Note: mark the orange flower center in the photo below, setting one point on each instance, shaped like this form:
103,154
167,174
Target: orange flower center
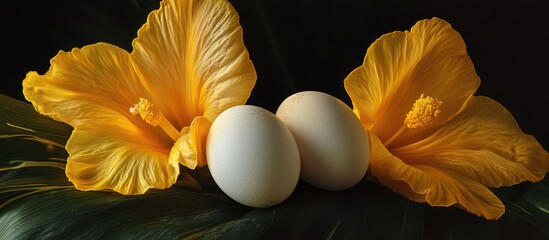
423,112
152,115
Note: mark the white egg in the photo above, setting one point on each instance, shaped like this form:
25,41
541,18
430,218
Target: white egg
334,147
253,156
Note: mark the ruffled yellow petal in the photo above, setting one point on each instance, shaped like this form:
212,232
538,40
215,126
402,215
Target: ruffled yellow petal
399,67
191,57
108,157
189,150
438,187
483,143
94,84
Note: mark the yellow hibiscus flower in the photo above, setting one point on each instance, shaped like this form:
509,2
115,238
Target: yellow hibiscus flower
432,140
138,115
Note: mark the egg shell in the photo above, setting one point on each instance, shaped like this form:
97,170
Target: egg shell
334,147
253,156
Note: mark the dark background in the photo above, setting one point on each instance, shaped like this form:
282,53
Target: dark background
306,45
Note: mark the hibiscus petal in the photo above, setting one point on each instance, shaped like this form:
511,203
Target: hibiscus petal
103,157
94,84
483,143
437,187
189,149
430,59
205,65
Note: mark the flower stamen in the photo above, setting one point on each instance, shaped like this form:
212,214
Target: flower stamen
152,115
424,111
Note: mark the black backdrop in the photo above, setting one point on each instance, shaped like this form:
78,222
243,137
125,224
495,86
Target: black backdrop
306,44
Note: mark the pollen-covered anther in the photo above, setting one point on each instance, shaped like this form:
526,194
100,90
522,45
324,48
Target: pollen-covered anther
424,111
152,115
147,111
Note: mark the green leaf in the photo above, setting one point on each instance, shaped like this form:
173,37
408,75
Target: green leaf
20,119
37,201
